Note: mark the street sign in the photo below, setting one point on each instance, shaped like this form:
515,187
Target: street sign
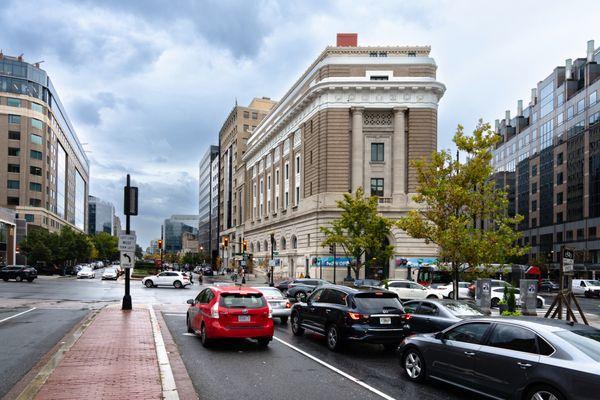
127,242
568,260
127,259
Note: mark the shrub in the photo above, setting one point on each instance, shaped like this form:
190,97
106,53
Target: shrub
511,302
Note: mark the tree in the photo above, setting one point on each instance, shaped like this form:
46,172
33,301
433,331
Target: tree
37,246
139,253
106,245
359,230
457,199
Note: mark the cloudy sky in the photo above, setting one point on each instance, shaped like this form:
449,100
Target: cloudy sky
148,83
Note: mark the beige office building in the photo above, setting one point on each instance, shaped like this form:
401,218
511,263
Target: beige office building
355,118
233,136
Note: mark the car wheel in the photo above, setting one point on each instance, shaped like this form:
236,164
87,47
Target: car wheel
149,283
189,327
539,303
494,302
283,320
391,346
587,294
432,296
5,279
296,328
334,338
300,297
18,278
544,392
413,365
203,337
177,285
451,295
264,342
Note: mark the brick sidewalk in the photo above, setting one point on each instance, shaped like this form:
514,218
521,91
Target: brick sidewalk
115,358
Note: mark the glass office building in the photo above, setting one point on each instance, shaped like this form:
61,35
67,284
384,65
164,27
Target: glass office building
175,227
208,200
100,216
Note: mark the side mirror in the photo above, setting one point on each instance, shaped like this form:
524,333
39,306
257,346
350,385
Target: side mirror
191,301
440,336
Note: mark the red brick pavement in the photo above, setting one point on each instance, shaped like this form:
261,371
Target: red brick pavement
115,358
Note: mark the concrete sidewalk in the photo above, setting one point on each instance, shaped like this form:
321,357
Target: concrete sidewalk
115,358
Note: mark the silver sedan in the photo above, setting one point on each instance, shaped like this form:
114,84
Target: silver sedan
280,306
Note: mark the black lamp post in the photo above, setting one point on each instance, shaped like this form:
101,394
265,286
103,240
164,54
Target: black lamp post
272,267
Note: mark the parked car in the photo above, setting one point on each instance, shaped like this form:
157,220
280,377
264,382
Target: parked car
518,358
436,315
18,273
86,272
280,306
230,312
447,291
494,283
586,287
168,278
299,289
374,283
207,270
409,290
497,294
546,285
110,273
283,285
345,314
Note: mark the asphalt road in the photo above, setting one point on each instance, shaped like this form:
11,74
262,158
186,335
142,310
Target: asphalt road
25,338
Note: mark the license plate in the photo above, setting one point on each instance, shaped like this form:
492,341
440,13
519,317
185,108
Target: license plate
243,318
385,321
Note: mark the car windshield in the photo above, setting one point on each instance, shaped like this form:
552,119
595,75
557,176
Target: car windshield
463,309
242,300
272,293
588,341
86,269
593,283
377,302
110,270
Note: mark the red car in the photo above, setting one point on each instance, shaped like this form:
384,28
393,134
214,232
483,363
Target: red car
230,312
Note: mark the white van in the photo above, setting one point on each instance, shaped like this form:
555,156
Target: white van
586,287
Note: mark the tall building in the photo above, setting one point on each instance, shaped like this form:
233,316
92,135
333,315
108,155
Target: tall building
8,237
355,118
175,227
234,134
215,214
101,216
45,171
116,226
208,200
549,159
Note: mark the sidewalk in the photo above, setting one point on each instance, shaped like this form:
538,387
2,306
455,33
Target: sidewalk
115,358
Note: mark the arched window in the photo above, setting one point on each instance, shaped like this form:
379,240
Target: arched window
258,244
294,242
282,243
251,247
266,245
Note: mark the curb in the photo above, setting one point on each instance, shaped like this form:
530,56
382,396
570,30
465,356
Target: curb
167,381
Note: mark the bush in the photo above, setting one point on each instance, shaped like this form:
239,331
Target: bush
507,313
511,302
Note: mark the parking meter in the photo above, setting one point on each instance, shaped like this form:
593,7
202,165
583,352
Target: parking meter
483,294
528,296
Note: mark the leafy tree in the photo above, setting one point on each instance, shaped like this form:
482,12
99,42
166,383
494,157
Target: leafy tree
139,253
37,246
359,230
456,198
106,245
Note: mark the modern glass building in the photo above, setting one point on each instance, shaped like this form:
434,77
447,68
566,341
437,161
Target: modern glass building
175,227
549,159
44,169
101,216
208,199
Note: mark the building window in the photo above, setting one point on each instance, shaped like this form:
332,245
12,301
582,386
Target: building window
14,168
36,154
373,54
559,159
12,201
533,170
379,77
37,107
580,234
12,184
35,202
592,232
377,152
254,115
14,119
36,187
559,178
534,205
580,106
559,198
570,112
287,171
36,123
13,102
287,199
14,135
246,114
283,243
534,240
534,188
37,139
294,242
559,237
297,164
534,222
569,235
35,171
297,195
559,218
29,217
308,240
592,98
377,187
14,151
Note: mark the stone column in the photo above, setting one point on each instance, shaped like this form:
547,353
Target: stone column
399,152
357,148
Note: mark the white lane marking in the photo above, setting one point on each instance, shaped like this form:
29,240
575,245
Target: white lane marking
169,388
176,314
336,370
188,334
16,315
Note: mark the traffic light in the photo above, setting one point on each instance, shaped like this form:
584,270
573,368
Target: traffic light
160,244
332,248
225,241
244,246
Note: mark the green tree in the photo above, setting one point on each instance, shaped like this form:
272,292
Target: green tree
37,246
139,253
359,230
106,245
456,197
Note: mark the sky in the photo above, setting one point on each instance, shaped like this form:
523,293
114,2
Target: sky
148,83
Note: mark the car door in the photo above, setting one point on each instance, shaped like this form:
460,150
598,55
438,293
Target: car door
452,357
506,359
332,303
402,289
414,323
204,307
194,311
429,318
310,316
417,291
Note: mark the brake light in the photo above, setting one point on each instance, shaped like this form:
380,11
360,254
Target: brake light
357,316
270,311
288,305
406,317
214,310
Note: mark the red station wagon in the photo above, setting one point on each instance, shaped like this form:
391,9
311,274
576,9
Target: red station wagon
230,312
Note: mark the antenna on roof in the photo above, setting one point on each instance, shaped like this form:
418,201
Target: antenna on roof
20,58
37,64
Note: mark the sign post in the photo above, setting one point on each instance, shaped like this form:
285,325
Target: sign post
528,296
483,295
127,241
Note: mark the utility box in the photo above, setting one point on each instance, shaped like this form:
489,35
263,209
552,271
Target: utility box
483,294
528,296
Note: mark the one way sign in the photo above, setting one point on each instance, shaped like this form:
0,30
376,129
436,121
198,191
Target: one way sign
127,259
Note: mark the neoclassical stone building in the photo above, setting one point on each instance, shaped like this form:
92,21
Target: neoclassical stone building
355,118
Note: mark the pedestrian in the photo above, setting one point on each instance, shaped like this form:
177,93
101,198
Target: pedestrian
243,277
268,277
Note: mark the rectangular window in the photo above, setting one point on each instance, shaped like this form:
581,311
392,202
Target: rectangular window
277,177
29,217
580,234
570,112
559,237
37,155
559,218
580,106
592,232
14,151
297,195
559,198
12,201
287,199
246,114
246,127
534,222
533,170
36,123
559,159
534,188
560,118
14,119
379,77
377,152
569,235
36,187
287,171
560,99
35,171
377,187
35,202
37,139
534,240
534,205
297,164
559,178
12,184
14,168
37,107
592,98
13,102
254,115
14,135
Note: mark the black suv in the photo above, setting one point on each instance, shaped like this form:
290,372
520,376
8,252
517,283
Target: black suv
300,288
18,273
346,314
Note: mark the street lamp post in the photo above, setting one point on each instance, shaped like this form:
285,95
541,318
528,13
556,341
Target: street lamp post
271,268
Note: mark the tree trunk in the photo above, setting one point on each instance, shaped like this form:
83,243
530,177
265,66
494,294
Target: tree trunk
455,280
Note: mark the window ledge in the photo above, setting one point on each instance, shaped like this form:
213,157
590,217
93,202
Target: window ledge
377,162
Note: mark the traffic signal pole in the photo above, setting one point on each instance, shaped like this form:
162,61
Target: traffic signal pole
127,298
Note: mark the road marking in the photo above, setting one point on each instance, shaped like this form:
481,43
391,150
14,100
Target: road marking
188,334
16,315
336,370
169,388
176,314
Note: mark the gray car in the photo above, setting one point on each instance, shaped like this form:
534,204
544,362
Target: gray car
280,306
435,315
518,358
